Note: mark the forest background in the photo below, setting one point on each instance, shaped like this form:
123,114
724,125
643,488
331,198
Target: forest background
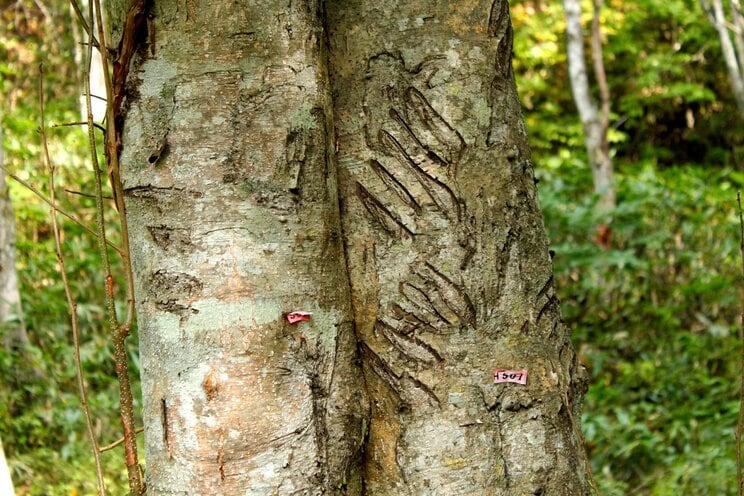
649,288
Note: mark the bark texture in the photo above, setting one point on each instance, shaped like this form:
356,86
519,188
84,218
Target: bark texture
447,253
229,167
230,186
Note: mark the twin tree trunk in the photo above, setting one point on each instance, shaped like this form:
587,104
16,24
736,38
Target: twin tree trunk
249,124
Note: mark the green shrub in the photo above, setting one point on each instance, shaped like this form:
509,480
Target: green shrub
655,320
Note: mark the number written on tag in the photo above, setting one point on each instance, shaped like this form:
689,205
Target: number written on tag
515,376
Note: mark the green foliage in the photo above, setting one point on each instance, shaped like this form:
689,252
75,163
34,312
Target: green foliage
670,96
654,313
41,421
654,318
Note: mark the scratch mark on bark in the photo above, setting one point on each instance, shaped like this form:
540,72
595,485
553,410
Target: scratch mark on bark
454,296
381,368
439,193
412,321
166,421
423,387
423,301
392,182
552,303
499,26
221,462
411,347
546,287
503,259
386,219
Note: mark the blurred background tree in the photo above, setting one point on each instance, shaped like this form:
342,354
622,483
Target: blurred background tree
728,27
653,300
594,116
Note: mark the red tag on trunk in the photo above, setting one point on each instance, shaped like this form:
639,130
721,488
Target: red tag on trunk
294,317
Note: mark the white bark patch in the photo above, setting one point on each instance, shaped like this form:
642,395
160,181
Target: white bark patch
169,332
159,73
214,314
188,391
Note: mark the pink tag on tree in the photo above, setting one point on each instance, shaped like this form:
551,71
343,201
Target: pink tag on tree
294,317
515,376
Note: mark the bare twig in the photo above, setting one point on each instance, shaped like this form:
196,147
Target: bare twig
118,441
70,300
83,22
740,423
81,123
86,195
57,208
119,331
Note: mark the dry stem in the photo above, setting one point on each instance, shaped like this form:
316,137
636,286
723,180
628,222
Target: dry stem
740,422
119,331
70,300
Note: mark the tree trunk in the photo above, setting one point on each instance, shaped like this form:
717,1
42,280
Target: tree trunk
451,276
231,194
594,121
733,52
6,483
12,326
229,168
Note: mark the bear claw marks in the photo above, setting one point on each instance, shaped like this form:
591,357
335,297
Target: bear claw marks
418,152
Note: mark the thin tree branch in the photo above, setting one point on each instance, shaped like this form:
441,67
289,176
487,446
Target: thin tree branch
740,422
84,22
119,331
119,441
80,123
57,208
68,293
86,195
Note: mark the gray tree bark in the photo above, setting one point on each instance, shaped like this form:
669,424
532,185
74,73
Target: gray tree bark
733,52
448,258
231,194
230,149
12,326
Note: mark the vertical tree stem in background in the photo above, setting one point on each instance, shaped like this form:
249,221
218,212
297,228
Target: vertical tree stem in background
740,424
68,293
599,73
